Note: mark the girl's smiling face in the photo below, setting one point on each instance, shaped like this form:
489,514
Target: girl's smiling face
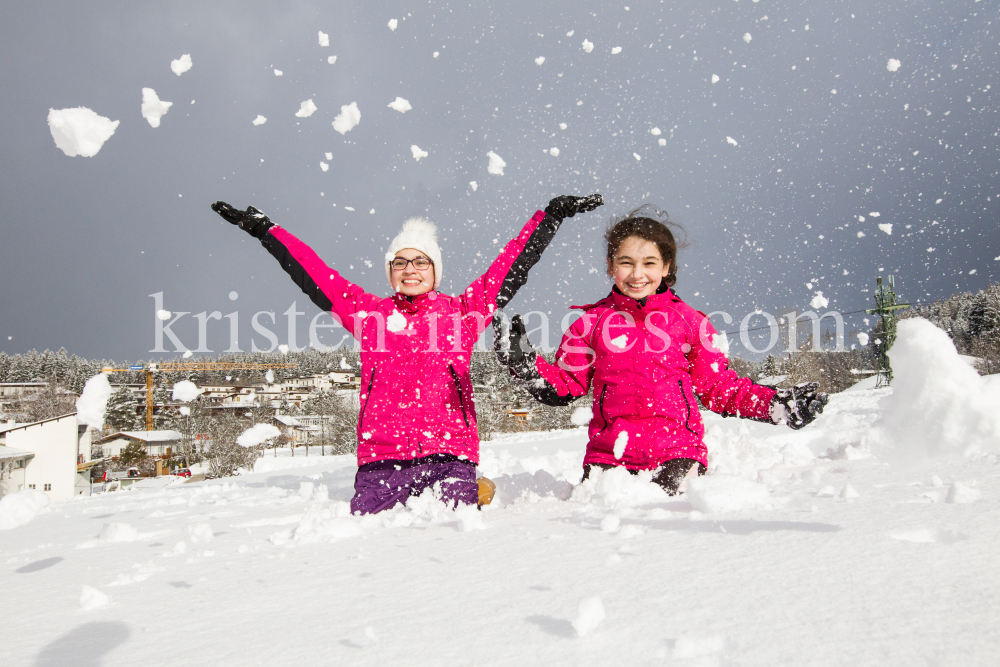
638,268
412,281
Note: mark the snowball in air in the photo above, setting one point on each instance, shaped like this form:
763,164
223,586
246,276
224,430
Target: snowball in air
637,156
892,65
588,46
886,227
621,442
539,60
347,119
747,38
259,120
278,72
93,402
164,315
324,39
819,301
473,185
306,109
863,338
656,132
496,164
581,416
185,391
323,165
395,322
615,51
153,108
715,78
417,153
554,152
80,131
400,105
257,434
181,65
331,59
732,141
392,24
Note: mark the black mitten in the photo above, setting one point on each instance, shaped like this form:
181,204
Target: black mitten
566,206
252,221
799,405
513,349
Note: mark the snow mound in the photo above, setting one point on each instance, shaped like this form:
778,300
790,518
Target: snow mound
91,598
347,119
117,532
525,487
200,533
697,646
720,494
93,402
186,391
589,615
496,164
306,109
181,65
153,108
618,490
17,509
257,434
939,405
400,105
80,131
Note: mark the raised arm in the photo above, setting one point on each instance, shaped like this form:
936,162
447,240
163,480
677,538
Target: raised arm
324,286
509,271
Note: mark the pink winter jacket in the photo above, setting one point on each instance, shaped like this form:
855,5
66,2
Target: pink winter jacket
416,392
646,360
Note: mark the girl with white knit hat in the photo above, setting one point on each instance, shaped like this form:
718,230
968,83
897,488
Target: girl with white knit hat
417,424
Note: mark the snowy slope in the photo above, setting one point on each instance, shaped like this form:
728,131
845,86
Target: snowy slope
267,568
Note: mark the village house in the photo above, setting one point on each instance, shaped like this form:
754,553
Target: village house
157,443
61,449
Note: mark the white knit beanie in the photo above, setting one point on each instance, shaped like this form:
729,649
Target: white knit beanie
419,234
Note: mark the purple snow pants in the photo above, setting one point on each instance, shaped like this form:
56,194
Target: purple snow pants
382,484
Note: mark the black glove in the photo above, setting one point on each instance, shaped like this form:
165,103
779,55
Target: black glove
799,405
566,206
252,221
513,349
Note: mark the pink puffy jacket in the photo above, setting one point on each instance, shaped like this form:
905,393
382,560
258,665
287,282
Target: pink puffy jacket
646,360
416,393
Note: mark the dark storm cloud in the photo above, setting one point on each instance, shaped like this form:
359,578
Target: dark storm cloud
86,240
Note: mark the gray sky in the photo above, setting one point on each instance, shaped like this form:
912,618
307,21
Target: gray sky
86,240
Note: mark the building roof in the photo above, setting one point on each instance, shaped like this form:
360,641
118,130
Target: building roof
146,436
7,428
7,453
287,420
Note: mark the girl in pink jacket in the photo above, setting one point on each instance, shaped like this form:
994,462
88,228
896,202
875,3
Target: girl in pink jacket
417,425
647,355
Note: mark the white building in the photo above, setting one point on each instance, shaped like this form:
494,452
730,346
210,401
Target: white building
12,465
61,463
157,443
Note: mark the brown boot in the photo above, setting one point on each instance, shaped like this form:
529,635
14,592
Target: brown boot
486,490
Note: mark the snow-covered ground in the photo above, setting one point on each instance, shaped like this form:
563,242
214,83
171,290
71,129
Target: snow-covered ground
268,568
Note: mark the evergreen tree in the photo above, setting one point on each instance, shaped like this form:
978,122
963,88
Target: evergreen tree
120,415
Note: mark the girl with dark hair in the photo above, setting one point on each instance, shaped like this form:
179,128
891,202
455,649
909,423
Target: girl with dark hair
647,355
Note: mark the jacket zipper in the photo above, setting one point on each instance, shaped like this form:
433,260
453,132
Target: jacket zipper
361,418
461,400
600,407
687,421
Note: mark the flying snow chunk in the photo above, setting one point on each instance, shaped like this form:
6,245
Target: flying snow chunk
863,339
400,105
874,214
153,108
637,156
747,37
589,615
163,315
306,109
181,65
656,132
570,33
715,78
323,165
331,59
621,442
395,322
93,402
417,153
269,375
732,141
588,46
80,131
496,164
563,126
278,72
861,235
582,416
473,185
329,156
188,354
324,39
539,60
661,141
185,391
833,91
886,227
616,50
347,119
892,65
392,24
257,434
259,120
819,301
554,152
283,348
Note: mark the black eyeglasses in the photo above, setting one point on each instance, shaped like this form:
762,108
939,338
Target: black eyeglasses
419,263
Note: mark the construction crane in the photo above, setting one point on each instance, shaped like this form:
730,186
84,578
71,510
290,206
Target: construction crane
186,366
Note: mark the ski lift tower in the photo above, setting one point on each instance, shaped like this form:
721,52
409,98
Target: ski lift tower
886,307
